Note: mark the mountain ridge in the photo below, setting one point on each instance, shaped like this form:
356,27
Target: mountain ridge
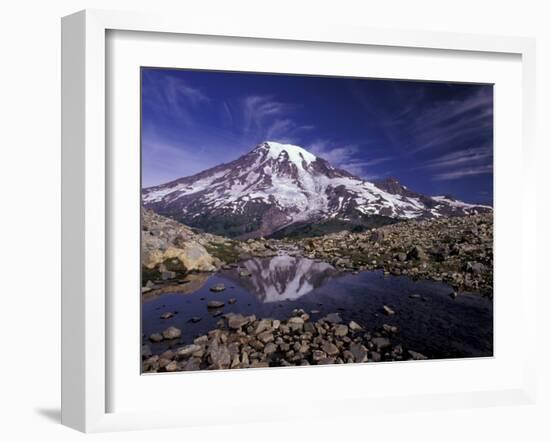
277,185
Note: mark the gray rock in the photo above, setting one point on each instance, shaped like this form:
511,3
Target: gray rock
341,330
381,343
388,311
156,337
390,328
417,253
375,356
167,275
146,351
217,288
359,352
215,304
263,325
377,236
417,356
219,355
266,337
333,318
232,300
354,326
330,349
167,315
401,257
475,267
326,361
259,364
235,322
171,366
245,274
171,333
270,348
318,355
187,350
192,364
201,340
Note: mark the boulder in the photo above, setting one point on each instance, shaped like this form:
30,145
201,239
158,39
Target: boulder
341,330
188,350
270,348
219,355
330,349
235,322
333,318
381,343
217,288
156,337
263,325
377,236
359,352
171,366
171,333
417,356
215,304
417,253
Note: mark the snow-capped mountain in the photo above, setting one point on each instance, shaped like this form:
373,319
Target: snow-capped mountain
278,185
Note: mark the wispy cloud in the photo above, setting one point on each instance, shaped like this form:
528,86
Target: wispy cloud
173,98
267,118
453,123
464,172
176,90
258,111
460,158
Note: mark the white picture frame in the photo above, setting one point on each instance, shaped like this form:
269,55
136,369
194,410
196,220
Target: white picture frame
85,213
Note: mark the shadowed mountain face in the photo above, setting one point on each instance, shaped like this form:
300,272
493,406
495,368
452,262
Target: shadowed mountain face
282,278
276,186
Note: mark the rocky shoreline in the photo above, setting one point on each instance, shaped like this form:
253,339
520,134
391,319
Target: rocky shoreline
249,342
457,251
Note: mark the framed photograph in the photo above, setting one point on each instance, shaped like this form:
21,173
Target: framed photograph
274,209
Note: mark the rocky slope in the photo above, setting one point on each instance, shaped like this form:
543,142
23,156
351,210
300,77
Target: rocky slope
169,248
458,251
277,186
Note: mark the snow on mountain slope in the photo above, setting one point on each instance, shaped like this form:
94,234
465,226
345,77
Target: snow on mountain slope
276,185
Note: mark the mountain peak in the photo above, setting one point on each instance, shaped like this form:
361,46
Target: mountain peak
296,154
276,185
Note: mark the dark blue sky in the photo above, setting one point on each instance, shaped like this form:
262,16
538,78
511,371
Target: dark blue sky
436,138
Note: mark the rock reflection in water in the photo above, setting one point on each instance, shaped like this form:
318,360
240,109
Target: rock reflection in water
282,278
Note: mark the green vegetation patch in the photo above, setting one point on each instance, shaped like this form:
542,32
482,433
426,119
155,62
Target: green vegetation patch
227,252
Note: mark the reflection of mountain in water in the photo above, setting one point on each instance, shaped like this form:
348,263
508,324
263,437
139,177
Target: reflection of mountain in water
283,277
